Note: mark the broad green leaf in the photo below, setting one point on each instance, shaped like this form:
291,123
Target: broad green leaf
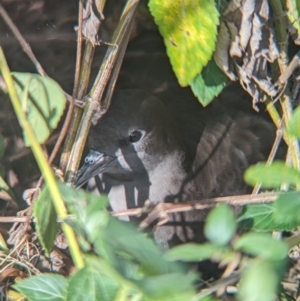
45,217
272,176
195,252
124,239
43,101
294,125
91,284
259,281
293,13
262,218
287,207
220,225
43,287
209,83
262,245
2,146
189,29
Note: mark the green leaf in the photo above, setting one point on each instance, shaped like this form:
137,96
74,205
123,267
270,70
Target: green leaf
287,208
2,146
44,287
293,13
168,286
195,252
132,245
91,284
262,218
43,101
89,209
45,217
272,176
263,245
209,83
294,125
259,281
189,29
220,225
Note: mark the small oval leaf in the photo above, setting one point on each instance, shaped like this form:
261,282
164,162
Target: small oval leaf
209,83
194,252
272,176
220,225
262,245
259,282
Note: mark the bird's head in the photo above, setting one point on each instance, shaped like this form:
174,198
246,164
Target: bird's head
132,138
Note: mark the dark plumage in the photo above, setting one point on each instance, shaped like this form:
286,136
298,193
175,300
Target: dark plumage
165,146
174,150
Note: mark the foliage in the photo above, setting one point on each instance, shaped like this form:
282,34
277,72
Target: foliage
128,262
189,30
114,260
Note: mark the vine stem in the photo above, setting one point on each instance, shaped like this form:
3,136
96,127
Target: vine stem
282,39
43,164
95,95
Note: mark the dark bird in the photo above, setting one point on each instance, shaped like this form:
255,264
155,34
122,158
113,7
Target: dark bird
172,149
166,148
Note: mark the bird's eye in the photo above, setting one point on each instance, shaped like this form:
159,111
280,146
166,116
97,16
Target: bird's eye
135,136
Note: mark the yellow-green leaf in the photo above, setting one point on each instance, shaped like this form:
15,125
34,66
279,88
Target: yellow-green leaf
189,29
43,102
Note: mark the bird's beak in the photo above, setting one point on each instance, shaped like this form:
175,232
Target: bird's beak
94,163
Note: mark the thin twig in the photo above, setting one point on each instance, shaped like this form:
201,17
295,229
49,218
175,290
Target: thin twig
278,138
24,44
237,200
98,88
27,49
76,80
240,200
285,101
233,278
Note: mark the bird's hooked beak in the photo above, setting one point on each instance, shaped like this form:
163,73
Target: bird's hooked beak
94,163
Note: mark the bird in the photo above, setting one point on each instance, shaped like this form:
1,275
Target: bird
167,148
156,142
